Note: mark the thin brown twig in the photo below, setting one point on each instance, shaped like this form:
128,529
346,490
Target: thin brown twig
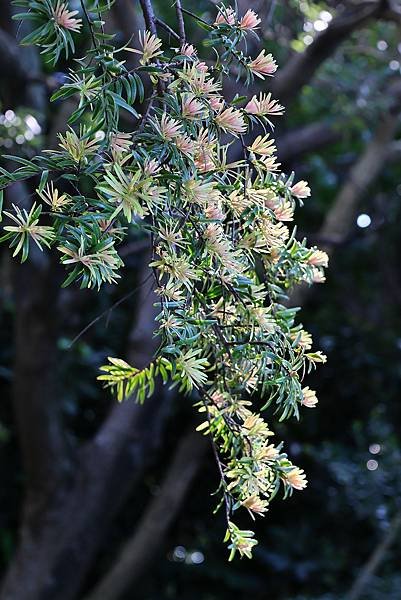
107,311
96,47
167,28
180,20
147,112
194,16
150,21
149,16
226,494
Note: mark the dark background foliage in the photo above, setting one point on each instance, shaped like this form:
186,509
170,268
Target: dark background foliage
99,501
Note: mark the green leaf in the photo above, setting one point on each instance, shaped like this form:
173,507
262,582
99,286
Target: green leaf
43,181
63,92
123,104
141,89
238,100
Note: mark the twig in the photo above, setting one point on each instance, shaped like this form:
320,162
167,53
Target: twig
90,24
147,113
107,311
149,16
167,28
226,495
104,71
180,19
140,551
150,21
194,16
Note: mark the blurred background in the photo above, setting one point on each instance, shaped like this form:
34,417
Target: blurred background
102,502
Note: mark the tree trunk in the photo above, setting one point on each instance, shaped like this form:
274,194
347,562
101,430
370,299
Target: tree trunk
59,542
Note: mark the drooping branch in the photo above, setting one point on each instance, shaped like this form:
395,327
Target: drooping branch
120,447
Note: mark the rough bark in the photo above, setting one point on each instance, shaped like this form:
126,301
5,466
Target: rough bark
57,549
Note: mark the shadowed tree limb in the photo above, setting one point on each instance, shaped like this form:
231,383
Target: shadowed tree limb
126,18
340,217
142,348
37,409
311,137
302,66
375,559
45,453
139,551
362,175
149,16
58,542
57,550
